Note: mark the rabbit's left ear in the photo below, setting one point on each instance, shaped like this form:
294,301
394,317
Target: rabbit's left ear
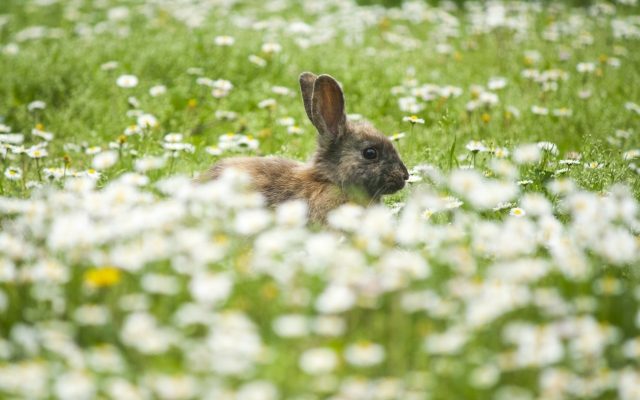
327,108
307,79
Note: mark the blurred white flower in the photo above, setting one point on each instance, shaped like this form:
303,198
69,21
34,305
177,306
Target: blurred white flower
346,217
127,81
292,213
75,385
496,83
271,47
104,160
91,314
141,331
149,163
448,342
146,121
13,173
36,105
211,289
250,222
157,90
258,390
318,361
527,154
259,61
364,354
335,299
224,40
291,325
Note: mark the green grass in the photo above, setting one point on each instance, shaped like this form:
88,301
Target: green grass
85,107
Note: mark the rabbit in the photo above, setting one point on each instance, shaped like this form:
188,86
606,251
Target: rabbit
353,162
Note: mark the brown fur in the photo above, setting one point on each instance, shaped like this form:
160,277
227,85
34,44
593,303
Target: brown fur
338,172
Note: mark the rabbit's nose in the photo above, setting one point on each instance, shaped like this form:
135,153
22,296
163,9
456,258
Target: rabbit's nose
405,173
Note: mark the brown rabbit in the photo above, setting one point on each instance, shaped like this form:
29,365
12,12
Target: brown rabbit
353,162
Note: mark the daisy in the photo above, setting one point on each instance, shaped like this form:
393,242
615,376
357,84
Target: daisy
195,71
224,40
157,90
364,354
497,83
475,146
397,136
132,130
413,119
267,103
13,173
222,84
127,81
53,173
548,146
36,105
213,150
173,137
539,110
318,361
226,115
631,154
92,173
271,47
37,152
281,90
584,94
109,65
593,165
410,104
41,133
501,152
503,205
632,107
149,163
11,138
219,93
147,121
517,212
259,61
586,68
562,112
287,121
105,160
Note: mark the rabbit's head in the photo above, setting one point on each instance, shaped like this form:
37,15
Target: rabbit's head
353,155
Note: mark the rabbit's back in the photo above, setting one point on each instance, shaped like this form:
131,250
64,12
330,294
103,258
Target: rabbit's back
279,180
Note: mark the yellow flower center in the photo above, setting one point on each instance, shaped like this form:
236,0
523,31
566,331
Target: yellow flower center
102,277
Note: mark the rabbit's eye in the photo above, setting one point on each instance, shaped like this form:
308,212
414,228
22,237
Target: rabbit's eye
370,153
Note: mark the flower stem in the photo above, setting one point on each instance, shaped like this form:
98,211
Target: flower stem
38,169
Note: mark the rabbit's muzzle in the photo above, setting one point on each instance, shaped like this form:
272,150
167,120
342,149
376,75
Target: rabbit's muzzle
395,180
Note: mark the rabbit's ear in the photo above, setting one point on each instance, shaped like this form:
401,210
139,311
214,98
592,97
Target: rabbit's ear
327,107
307,79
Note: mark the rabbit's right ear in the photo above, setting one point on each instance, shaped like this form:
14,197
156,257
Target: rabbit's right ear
327,108
307,79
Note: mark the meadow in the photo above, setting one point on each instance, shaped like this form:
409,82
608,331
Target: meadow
506,269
